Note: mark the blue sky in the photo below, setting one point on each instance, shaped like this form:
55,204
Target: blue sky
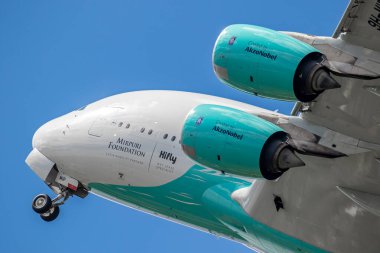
56,56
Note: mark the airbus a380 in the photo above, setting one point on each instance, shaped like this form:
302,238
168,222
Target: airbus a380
308,182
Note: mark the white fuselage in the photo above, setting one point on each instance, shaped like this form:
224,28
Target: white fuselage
137,126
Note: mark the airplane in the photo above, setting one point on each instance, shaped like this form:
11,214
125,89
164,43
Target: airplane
305,182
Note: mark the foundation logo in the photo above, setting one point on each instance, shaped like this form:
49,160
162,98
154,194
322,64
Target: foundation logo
126,146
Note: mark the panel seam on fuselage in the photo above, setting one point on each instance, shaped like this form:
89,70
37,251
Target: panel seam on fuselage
150,161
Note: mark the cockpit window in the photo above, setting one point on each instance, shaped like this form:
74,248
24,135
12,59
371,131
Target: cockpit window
82,108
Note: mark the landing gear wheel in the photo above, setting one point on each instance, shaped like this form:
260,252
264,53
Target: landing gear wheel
41,203
51,214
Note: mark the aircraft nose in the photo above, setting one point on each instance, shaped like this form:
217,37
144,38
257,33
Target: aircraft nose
45,135
39,137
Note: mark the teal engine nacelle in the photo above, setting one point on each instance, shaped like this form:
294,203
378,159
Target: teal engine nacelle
270,64
237,142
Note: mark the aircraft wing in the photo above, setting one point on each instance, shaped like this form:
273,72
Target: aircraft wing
352,110
334,203
360,24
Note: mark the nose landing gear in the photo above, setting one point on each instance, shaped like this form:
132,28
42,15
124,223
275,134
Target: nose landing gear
41,203
49,209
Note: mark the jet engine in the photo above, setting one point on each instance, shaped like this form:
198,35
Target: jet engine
237,142
270,64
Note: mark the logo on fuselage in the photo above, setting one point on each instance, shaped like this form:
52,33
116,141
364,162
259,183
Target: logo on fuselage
126,146
168,156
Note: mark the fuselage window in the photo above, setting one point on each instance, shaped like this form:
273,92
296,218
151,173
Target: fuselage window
142,130
150,131
128,125
173,138
120,124
165,136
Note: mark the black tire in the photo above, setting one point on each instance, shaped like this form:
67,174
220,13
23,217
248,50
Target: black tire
50,215
41,203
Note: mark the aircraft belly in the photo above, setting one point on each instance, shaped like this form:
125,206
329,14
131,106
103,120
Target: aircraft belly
201,198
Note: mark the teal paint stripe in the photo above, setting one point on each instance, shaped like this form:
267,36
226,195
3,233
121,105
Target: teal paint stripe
206,203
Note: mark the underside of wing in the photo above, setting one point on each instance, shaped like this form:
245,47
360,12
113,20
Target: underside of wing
360,24
351,112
